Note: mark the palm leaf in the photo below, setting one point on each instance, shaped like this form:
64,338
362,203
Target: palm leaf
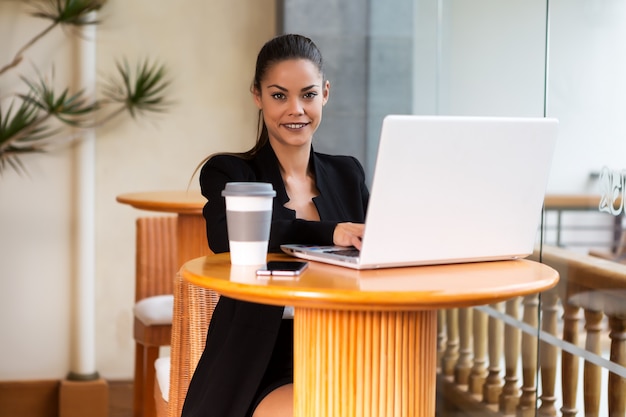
67,12
70,109
142,91
19,124
21,130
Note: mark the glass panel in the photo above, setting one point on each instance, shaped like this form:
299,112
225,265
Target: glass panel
555,58
491,61
585,214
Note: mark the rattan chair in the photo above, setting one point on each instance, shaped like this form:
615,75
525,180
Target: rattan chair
193,309
156,266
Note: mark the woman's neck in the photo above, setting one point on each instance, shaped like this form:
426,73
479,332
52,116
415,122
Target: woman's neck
299,181
293,161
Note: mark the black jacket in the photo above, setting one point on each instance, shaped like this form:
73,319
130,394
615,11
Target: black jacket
242,335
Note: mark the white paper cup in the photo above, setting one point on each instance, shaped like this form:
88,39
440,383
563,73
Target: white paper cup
249,217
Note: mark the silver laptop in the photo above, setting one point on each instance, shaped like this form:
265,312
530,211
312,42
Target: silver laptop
451,189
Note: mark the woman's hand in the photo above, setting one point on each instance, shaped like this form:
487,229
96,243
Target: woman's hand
348,234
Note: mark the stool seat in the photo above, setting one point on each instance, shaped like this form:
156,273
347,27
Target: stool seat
611,302
155,310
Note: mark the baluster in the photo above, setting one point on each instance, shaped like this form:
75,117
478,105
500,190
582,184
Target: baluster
509,397
451,354
527,401
441,336
617,384
493,383
464,363
479,369
569,362
548,354
592,378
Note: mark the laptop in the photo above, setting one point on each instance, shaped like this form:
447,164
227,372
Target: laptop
451,189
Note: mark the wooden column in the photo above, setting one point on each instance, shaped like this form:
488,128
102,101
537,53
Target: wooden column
592,374
493,383
509,397
464,364
350,349
478,374
442,338
569,362
617,384
451,354
548,354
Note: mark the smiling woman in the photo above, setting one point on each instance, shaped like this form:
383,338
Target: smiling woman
291,97
247,365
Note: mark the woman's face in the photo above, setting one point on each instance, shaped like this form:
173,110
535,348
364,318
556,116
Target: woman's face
291,97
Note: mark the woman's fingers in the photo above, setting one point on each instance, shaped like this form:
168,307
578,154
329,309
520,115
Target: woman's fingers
348,234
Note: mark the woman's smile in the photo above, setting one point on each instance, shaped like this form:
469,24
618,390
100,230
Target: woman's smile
295,126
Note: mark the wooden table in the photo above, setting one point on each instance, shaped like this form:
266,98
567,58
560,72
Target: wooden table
579,202
365,341
571,202
190,227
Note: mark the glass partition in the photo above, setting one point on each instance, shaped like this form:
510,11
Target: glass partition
562,352
559,59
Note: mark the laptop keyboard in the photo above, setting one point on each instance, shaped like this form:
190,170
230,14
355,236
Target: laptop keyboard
354,253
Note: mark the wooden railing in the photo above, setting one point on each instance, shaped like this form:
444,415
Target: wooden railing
492,362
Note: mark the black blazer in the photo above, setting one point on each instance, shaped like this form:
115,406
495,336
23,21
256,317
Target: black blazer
242,335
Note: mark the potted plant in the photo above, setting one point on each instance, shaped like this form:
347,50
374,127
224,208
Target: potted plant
45,115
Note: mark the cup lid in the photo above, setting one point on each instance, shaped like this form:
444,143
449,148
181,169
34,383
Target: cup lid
255,189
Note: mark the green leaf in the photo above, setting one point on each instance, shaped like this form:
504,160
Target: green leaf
20,131
22,122
141,91
70,109
67,12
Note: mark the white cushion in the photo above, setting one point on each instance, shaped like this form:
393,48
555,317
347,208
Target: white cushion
611,302
155,310
162,366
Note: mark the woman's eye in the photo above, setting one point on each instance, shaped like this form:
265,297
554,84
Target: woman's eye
310,94
278,96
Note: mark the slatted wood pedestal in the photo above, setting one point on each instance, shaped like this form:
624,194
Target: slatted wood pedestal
364,364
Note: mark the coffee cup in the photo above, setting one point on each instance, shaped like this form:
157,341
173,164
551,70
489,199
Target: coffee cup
248,217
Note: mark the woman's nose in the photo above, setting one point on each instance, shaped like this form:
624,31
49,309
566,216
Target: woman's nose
295,107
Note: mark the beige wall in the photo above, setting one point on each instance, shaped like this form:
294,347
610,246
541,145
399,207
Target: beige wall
209,47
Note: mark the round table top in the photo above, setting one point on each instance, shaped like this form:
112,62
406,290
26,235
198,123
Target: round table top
390,289
182,202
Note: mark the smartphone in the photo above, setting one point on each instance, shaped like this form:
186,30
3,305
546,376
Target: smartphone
283,268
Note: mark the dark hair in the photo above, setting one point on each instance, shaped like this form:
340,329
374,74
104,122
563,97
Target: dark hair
278,49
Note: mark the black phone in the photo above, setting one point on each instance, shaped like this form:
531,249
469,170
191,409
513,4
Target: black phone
283,268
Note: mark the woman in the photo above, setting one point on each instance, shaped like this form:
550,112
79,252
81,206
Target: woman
246,367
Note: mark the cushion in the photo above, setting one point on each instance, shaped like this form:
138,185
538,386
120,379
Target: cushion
611,302
162,366
155,310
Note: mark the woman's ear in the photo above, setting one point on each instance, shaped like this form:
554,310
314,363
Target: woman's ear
325,92
256,95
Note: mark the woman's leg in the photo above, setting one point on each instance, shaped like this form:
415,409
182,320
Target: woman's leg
278,403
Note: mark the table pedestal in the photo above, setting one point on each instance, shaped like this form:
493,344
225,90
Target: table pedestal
364,364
